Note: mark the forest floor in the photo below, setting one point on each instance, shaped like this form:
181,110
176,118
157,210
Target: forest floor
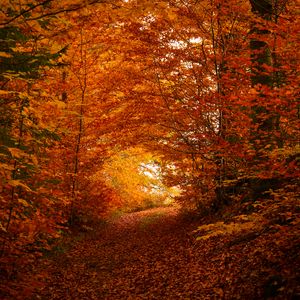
154,254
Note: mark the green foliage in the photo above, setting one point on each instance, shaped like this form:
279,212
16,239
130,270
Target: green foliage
19,62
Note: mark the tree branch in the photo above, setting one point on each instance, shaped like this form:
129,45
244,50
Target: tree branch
52,13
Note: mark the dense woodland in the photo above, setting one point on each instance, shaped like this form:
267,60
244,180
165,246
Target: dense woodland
111,107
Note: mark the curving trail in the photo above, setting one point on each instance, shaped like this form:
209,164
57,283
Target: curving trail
152,255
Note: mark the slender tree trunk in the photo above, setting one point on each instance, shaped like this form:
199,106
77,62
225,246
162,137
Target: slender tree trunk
218,44
83,84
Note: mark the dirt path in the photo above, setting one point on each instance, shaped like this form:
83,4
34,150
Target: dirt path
153,255
144,255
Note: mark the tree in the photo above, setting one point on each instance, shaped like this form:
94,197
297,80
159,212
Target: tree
28,221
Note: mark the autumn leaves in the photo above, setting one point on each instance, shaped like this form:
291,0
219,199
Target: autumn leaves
176,82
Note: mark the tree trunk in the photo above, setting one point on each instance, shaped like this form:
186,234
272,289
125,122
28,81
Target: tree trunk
264,120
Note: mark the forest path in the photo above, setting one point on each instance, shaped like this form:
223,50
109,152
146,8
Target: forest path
154,254
142,255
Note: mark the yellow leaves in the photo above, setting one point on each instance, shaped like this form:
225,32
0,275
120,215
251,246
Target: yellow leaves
24,202
140,88
133,175
59,104
5,54
18,183
3,92
2,228
106,55
119,94
55,47
268,146
285,151
172,14
34,159
4,166
16,152
242,223
167,83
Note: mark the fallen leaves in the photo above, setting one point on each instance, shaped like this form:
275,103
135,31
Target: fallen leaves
162,261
